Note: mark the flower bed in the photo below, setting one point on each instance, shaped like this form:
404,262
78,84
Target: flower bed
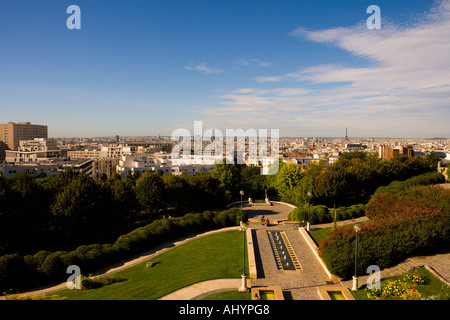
404,288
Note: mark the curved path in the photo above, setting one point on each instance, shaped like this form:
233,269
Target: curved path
200,289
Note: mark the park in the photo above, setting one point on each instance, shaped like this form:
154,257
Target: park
179,266
277,248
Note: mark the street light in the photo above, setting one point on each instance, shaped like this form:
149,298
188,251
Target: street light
355,277
309,200
244,277
241,223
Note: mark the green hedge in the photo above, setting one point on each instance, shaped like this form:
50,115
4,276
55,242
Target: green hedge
398,187
19,273
400,227
321,214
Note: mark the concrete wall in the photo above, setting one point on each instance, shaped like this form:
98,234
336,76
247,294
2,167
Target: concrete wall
315,251
252,273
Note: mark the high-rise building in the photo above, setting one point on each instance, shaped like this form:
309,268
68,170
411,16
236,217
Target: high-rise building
12,133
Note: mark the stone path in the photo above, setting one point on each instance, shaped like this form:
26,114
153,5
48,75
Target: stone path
204,288
296,285
302,285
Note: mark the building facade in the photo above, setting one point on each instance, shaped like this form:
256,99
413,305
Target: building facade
12,133
36,150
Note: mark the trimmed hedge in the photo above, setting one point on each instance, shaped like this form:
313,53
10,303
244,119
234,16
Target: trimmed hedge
18,273
321,214
398,187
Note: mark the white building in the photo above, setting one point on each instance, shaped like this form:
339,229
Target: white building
34,170
33,151
144,162
112,152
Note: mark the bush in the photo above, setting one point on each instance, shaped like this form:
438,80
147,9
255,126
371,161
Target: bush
399,228
53,266
298,214
88,283
13,272
321,212
399,187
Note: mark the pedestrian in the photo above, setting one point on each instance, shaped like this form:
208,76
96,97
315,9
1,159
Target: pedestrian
267,222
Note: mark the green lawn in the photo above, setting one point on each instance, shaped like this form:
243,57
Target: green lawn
214,256
319,234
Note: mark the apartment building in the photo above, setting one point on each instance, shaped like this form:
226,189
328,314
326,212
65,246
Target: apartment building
36,150
12,133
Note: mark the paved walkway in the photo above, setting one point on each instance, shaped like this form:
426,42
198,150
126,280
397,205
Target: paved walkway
200,289
296,285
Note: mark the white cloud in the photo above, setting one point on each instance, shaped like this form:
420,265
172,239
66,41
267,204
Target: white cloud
203,68
253,62
405,87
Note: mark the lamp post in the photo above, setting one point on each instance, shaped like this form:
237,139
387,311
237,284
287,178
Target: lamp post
309,200
243,288
355,277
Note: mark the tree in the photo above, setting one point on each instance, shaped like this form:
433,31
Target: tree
150,191
432,160
331,184
228,176
206,192
82,207
177,193
288,177
123,195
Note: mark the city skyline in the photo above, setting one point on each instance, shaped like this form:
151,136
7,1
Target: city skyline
308,68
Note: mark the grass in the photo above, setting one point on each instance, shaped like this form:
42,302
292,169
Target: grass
432,289
320,234
214,256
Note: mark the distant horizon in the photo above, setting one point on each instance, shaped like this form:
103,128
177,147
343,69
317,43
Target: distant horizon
309,68
281,137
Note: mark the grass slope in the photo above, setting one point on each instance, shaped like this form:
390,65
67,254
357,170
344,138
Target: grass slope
214,256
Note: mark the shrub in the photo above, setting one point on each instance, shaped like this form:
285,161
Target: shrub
13,272
399,228
342,214
222,219
87,282
53,266
399,187
321,212
298,214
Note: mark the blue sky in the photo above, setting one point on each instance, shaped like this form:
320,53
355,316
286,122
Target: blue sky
308,68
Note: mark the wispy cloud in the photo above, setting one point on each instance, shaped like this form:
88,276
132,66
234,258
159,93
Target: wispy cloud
404,89
253,62
202,67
